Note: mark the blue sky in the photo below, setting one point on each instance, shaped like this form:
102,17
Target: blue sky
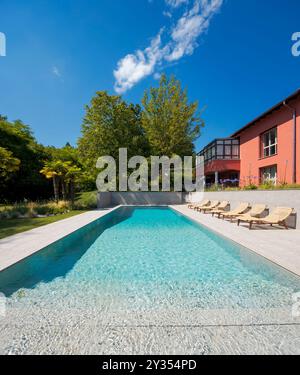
234,56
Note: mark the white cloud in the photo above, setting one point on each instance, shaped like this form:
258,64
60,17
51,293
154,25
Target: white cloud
167,14
182,41
190,26
176,3
56,71
134,67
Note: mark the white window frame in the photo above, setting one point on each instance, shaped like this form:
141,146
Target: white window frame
266,174
266,148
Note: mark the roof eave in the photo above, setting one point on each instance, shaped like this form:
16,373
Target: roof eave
275,107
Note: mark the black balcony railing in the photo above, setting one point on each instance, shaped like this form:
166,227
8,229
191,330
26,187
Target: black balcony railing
221,149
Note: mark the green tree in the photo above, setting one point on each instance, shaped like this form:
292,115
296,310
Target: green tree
109,124
170,122
8,163
72,176
26,182
52,170
64,175
66,153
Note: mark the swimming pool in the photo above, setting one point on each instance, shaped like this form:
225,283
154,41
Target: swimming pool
145,265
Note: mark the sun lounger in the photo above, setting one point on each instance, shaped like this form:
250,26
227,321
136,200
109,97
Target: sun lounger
242,208
221,208
277,217
204,203
212,205
256,211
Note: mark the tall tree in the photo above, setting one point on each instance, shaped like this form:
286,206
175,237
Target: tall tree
109,124
64,170
52,170
72,176
8,163
170,122
26,182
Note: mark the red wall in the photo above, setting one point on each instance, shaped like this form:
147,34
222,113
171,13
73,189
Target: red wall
250,146
221,166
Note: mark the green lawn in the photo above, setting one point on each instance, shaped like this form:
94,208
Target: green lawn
8,227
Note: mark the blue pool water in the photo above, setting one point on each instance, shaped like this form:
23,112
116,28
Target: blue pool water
148,258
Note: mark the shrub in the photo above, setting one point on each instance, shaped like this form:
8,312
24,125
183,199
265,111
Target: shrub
86,200
251,187
267,185
14,214
22,210
213,188
232,188
4,215
42,209
56,208
289,186
32,209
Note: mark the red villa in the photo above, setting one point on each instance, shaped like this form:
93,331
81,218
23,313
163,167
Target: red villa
265,149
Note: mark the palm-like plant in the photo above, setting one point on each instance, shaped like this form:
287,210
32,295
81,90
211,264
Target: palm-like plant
53,170
72,174
62,173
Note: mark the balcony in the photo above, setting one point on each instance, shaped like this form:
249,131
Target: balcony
221,149
222,161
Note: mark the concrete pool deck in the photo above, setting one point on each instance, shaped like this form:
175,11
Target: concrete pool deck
280,246
19,246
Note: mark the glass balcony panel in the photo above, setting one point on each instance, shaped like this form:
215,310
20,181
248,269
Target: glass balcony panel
220,150
235,150
228,150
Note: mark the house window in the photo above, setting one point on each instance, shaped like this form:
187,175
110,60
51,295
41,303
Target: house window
269,174
269,143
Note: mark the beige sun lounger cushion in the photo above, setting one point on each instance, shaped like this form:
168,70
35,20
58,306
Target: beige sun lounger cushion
204,203
278,216
237,211
212,205
256,211
221,208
